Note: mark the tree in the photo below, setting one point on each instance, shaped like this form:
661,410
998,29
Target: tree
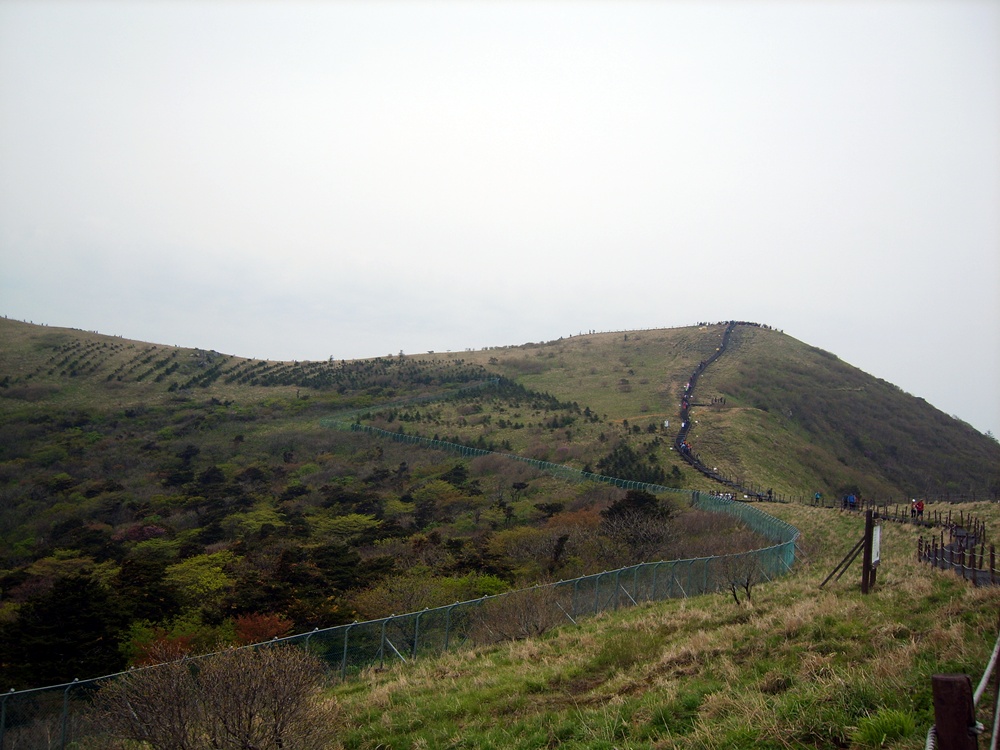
258,628
738,573
638,521
71,631
201,578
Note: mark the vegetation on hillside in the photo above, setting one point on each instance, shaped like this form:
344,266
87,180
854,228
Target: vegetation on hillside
153,494
135,513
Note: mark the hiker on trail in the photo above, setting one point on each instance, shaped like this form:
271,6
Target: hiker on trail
913,508
852,501
817,497
843,503
919,505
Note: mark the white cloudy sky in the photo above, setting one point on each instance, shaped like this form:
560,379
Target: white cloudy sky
296,180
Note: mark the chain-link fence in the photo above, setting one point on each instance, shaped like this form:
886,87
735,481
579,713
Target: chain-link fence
56,716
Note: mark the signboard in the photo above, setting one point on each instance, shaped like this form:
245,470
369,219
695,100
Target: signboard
876,544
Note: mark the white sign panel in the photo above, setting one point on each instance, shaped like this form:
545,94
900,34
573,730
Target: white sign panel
876,544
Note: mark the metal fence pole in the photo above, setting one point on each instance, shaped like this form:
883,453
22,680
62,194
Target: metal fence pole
416,634
381,645
65,711
3,716
343,663
447,625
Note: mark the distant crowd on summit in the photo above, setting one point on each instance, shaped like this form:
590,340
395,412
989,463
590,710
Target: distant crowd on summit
739,323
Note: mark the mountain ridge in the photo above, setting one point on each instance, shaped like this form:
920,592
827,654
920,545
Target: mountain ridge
769,388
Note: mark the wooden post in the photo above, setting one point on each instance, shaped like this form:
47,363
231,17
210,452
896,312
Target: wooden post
867,571
993,565
954,712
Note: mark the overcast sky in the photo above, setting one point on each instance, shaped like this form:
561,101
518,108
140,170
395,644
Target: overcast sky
300,180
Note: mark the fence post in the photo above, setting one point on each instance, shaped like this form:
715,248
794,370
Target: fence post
381,647
3,715
867,571
314,631
416,635
65,711
343,663
447,625
954,712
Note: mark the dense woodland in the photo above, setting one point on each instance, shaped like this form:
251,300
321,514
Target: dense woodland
154,495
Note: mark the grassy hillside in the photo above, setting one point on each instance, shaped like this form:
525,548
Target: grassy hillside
795,418
800,666
152,493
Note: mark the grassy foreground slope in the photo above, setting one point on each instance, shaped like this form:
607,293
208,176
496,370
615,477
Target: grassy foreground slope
798,667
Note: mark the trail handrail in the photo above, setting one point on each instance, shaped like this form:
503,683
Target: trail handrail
955,704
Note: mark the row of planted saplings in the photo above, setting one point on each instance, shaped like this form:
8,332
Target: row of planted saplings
77,358
357,374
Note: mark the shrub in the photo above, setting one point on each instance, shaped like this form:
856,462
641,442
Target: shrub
265,698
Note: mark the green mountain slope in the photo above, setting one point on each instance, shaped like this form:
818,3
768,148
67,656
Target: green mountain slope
795,412
152,493
772,410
